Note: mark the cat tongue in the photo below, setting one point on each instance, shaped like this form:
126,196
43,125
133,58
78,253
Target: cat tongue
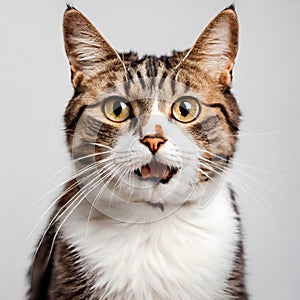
155,169
145,171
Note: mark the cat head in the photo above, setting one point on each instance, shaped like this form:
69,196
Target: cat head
152,130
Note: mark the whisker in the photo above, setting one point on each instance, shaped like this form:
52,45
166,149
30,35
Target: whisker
74,176
244,165
101,145
62,223
206,174
251,196
75,160
56,199
271,207
241,134
208,167
243,189
130,181
262,184
53,220
119,180
78,182
253,190
251,177
111,174
90,155
65,206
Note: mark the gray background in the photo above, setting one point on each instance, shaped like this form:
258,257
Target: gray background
35,88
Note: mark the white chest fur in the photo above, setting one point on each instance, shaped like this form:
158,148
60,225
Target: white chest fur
187,255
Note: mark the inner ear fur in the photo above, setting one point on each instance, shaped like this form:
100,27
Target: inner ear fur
214,52
87,50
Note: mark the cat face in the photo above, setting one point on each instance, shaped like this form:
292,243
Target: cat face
154,130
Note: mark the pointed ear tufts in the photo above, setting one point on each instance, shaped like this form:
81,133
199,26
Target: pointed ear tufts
69,6
231,7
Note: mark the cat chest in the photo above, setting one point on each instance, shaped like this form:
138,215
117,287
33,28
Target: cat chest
172,259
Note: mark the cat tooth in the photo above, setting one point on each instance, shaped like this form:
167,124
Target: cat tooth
166,173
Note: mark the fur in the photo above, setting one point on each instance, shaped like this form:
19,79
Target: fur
187,255
116,234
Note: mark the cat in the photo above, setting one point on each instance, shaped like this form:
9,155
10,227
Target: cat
149,212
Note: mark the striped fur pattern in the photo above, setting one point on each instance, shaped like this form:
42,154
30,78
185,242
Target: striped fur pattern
149,213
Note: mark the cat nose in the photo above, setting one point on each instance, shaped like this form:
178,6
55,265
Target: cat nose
153,142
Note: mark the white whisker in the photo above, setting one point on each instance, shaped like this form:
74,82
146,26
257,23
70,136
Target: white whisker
78,182
250,188
101,145
64,208
111,174
241,134
244,165
80,172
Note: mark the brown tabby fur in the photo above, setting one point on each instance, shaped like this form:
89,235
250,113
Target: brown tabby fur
58,275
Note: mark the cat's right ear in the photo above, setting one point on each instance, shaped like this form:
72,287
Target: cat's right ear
88,52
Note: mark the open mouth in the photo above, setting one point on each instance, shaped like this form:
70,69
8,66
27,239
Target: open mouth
156,171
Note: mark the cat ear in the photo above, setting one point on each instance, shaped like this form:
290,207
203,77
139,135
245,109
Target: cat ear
88,52
215,50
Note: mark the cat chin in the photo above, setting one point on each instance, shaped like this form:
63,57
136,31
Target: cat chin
160,190
144,205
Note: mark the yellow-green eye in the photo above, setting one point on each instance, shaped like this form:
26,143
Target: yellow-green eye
185,109
116,109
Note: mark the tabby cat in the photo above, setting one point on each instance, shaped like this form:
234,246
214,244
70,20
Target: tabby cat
149,213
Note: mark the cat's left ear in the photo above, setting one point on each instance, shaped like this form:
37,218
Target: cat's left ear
88,52
215,50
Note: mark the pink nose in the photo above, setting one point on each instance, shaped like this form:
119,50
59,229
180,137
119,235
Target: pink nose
153,143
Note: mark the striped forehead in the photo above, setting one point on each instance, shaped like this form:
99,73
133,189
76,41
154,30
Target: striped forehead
150,82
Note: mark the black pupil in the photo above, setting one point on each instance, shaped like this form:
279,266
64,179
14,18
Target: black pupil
117,108
185,108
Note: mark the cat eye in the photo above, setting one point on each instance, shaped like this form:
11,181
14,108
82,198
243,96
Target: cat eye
185,109
116,109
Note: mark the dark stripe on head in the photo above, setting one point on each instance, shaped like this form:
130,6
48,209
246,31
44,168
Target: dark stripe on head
71,123
233,127
166,61
129,75
173,87
186,86
126,85
141,80
151,66
162,80
107,133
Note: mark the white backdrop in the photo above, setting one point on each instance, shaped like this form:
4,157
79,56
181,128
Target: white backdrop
35,88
